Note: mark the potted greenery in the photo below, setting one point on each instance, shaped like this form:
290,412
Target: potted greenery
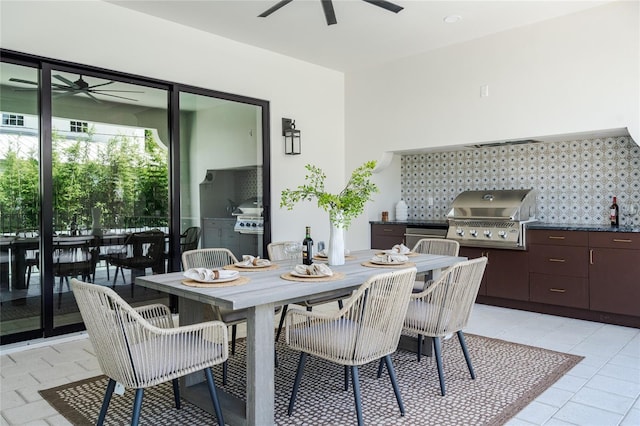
343,207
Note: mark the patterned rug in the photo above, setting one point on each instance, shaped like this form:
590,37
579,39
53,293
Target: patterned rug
509,376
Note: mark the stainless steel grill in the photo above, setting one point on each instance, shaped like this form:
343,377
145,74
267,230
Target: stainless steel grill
492,218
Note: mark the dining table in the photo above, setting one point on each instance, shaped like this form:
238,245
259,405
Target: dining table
260,294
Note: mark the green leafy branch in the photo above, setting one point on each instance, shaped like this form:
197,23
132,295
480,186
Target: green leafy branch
342,207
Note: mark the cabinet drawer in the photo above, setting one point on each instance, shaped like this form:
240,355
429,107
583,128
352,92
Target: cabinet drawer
617,240
563,291
559,260
388,230
560,238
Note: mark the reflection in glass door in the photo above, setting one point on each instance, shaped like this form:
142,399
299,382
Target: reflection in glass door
20,284
110,170
221,173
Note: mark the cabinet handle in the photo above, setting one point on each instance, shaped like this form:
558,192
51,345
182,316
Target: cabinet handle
591,257
557,290
618,240
557,260
387,230
553,237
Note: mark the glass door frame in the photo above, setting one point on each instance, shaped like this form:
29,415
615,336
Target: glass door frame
46,67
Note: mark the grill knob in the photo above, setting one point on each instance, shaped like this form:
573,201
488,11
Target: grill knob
502,234
473,233
460,232
487,233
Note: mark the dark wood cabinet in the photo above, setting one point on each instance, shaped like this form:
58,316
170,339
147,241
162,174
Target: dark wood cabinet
507,273
385,236
558,268
614,272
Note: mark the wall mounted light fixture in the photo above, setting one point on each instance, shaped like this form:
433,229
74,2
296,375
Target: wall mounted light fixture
291,137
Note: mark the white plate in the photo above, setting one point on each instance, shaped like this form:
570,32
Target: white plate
377,262
242,265
219,280
296,274
393,252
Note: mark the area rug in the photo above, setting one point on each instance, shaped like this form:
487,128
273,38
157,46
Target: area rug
508,377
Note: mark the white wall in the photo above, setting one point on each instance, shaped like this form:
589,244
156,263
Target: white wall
104,35
576,73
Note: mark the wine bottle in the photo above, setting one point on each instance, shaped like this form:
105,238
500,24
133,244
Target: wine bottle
615,213
307,248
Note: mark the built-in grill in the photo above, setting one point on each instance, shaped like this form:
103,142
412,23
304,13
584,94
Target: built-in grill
492,218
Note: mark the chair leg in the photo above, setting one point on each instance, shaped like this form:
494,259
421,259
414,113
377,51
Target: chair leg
465,351
284,313
296,383
234,330
356,393
137,406
346,377
438,353
214,395
380,367
225,368
340,304
419,348
394,382
176,392
105,402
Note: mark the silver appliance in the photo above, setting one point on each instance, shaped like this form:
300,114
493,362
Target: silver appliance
246,224
492,218
413,235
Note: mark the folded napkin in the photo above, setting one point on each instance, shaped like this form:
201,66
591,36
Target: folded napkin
325,252
316,269
248,260
398,249
206,274
390,258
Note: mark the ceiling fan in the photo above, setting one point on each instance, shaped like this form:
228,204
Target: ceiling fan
80,86
329,13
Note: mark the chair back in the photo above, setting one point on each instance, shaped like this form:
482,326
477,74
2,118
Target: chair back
116,331
207,258
189,240
445,306
371,321
438,246
276,252
73,256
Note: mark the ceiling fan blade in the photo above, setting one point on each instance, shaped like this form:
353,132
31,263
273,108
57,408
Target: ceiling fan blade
274,8
329,13
114,90
116,96
386,5
70,83
19,80
100,85
92,97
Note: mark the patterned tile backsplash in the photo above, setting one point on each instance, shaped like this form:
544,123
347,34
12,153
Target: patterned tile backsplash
575,180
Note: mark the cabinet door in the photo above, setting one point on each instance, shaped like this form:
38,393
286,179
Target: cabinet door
474,253
507,274
614,281
386,236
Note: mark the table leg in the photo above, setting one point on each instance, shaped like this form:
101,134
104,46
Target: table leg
260,366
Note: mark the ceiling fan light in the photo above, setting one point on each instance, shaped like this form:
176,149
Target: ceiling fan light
452,19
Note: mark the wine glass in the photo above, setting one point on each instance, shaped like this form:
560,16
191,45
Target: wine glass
293,251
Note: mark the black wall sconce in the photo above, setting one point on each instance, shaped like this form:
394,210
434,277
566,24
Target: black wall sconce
291,137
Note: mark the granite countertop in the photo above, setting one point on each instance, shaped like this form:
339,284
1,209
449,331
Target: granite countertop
581,227
440,224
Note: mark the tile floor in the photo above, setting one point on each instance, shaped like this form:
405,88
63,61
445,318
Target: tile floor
603,390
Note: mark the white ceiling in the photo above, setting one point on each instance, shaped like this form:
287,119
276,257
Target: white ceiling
365,34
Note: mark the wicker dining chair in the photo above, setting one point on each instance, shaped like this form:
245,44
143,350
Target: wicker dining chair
276,252
367,328
140,347
439,246
444,308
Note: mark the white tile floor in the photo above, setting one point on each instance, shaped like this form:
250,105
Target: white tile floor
604,389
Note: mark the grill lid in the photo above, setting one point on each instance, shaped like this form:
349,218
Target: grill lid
511,204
